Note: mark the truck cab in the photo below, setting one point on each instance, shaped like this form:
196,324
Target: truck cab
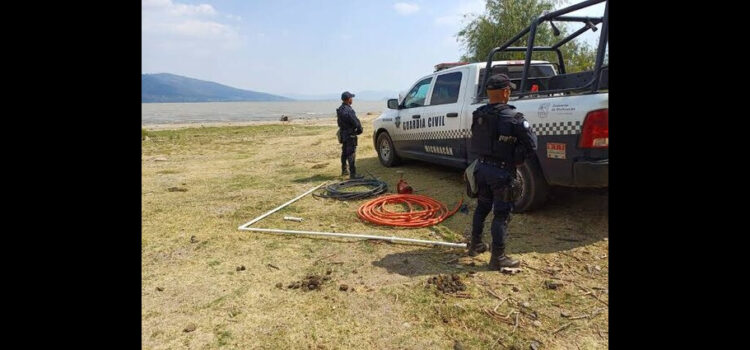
433,120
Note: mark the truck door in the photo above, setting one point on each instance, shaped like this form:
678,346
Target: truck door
443,139
410,122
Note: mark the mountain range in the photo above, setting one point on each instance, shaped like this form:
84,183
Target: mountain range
165,87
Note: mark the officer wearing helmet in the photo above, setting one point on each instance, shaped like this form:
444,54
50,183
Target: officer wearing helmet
502,139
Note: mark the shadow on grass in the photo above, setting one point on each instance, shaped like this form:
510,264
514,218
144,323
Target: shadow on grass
571,217
419,262
315,178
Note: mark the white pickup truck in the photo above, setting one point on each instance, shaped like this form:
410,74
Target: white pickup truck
568,112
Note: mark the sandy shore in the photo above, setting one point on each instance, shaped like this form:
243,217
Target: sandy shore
323,121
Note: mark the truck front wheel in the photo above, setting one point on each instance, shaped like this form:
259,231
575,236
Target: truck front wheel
386,151
532,185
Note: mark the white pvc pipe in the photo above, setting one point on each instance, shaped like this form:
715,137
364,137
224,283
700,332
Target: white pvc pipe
279,207
351,235
246,227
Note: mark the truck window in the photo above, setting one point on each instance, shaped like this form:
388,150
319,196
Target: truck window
417,95
515,72
446,89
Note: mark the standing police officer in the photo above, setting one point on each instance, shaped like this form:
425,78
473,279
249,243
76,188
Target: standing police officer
502,139
349,128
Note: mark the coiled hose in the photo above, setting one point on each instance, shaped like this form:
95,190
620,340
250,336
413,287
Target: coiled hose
335,190
423,211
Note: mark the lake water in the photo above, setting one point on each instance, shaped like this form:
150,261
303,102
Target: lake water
207,112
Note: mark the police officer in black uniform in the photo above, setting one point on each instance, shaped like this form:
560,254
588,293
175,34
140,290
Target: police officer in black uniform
349,128
502,139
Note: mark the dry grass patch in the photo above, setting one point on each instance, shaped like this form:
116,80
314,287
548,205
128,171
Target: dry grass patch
191,249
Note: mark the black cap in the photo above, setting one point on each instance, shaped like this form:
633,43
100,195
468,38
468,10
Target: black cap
499,81
346,95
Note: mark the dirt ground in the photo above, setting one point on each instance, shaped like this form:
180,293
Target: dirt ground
206,285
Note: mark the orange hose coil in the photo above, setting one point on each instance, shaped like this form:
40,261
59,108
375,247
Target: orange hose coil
423,211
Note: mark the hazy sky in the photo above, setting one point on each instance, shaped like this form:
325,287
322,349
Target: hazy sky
306,47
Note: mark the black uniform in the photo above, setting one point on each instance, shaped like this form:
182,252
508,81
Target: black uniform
502,139
349,127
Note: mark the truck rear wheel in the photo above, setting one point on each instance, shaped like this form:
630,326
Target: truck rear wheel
386,151
532,185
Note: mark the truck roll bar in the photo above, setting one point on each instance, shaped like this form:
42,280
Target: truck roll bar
589,24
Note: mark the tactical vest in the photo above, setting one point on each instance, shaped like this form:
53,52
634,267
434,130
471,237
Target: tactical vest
345,127
493,131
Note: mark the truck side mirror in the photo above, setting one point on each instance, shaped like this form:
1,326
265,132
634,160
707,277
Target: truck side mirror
393,103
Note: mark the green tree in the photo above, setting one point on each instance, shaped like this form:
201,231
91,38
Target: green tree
505,18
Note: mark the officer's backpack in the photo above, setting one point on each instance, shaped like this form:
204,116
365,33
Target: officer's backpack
484,140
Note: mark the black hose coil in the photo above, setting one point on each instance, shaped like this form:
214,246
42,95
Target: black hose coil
335,190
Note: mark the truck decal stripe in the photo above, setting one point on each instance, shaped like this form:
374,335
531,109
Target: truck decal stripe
561,128
434,135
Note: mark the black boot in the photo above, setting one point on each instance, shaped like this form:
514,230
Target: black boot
476,246
498,259
355,176
343,171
